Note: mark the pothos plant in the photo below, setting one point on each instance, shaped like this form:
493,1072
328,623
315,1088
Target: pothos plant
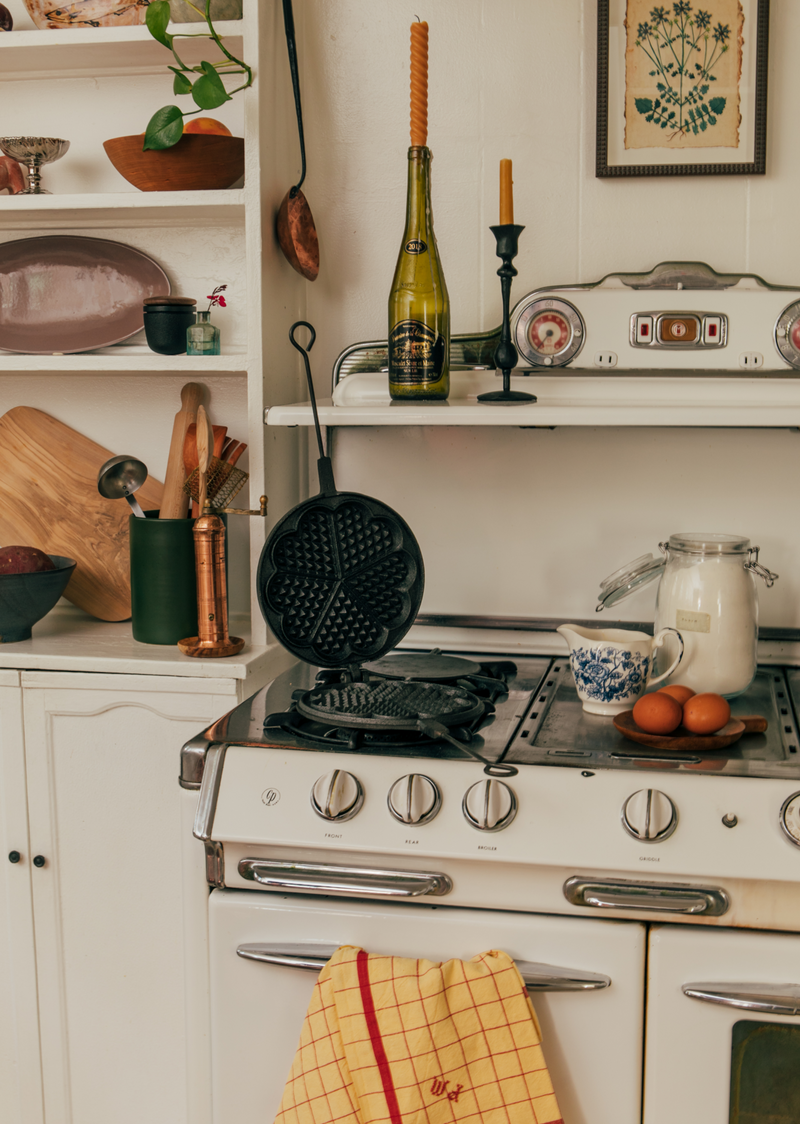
203,82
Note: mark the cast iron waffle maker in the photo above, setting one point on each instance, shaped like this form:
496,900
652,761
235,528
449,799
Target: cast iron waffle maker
340,581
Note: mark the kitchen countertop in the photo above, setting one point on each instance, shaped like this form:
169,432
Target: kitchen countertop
68,639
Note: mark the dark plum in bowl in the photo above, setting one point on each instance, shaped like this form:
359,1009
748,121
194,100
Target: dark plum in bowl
26,598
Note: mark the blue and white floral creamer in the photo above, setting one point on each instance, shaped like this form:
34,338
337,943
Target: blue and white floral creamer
611,666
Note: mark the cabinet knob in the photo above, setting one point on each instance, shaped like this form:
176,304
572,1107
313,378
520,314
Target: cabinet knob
14,856
39,860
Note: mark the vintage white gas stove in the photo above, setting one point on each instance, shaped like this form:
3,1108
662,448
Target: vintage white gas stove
647,897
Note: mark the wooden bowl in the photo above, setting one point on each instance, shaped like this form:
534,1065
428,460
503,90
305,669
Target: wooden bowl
198,162
681,740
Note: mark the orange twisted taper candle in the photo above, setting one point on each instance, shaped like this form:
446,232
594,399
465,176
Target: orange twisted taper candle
419,83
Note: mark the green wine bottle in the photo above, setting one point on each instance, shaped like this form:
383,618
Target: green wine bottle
419,307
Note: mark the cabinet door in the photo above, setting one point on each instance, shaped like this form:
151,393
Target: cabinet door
106,813
20,1061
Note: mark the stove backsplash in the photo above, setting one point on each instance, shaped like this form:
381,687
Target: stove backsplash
526,522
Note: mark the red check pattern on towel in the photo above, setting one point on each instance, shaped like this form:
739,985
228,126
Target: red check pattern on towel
387,1039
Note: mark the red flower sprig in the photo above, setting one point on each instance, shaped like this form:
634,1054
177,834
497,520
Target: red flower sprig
217,298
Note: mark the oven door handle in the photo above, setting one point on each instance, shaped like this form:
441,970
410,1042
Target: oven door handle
313,958
325,878
771,999
654,897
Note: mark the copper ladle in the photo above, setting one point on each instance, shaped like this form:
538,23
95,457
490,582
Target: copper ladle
295,223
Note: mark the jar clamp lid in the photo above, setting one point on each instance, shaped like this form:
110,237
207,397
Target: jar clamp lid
623,582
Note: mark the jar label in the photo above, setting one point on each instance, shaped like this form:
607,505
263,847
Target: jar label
690,621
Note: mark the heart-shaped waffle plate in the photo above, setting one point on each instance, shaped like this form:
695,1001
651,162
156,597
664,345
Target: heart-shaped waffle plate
340,579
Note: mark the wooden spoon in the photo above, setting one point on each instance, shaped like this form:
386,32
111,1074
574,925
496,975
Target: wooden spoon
294,224
175,502
205,444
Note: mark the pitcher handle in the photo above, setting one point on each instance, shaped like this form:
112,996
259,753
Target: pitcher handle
658,640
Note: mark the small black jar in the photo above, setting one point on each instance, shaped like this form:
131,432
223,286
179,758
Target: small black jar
165,322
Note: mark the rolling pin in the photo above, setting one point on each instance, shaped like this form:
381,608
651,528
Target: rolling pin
175,502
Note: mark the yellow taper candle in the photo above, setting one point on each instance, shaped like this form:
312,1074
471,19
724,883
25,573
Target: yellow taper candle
506,194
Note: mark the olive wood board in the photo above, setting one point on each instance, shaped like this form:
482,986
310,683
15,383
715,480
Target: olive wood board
681,739
49,499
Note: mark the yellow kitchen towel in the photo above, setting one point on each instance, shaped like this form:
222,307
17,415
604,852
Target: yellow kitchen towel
413,1042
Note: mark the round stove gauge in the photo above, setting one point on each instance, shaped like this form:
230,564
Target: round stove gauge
787,334
547,332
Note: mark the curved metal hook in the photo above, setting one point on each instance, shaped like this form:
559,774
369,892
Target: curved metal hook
304,352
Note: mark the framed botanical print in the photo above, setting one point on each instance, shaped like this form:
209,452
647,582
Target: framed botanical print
682,87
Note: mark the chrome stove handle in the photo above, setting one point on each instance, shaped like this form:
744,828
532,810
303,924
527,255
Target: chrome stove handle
325,878
770,999
654,897
314,957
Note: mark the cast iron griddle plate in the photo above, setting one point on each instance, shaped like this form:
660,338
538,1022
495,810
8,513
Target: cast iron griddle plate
422,665
340,580
392,704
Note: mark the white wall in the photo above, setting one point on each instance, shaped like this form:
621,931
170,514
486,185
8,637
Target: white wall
528,522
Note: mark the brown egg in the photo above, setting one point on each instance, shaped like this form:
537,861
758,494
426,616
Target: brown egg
657,713
679,692
705,714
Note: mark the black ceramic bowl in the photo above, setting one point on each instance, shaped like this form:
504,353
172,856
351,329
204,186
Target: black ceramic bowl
165,322
26,598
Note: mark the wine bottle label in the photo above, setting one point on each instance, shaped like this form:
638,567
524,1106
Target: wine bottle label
416,353
416,246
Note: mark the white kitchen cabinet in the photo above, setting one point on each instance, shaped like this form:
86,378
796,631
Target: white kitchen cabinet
95,981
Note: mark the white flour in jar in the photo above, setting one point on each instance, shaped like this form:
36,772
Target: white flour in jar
712,602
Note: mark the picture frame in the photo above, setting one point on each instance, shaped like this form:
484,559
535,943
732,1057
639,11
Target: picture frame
717,125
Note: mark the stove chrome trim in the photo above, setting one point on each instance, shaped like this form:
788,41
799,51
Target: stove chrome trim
325,878
710,901
215,863
771,999
193,755
313,958
209,792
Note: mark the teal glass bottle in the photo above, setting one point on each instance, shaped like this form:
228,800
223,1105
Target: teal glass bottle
202,337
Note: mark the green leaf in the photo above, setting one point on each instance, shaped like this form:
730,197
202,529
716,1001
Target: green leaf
208,91
164,128
717,105
157,19
643,105
180,83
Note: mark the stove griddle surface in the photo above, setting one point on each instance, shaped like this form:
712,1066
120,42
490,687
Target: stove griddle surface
558,731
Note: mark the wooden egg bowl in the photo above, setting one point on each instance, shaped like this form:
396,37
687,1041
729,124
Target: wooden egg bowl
198,162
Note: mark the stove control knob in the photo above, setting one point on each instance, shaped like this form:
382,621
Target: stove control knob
790,817
489,805
337,796
649,816
414,799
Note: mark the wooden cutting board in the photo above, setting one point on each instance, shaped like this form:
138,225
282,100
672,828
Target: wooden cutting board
49,499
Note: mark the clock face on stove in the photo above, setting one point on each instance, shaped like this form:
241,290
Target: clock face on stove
787,334
547,332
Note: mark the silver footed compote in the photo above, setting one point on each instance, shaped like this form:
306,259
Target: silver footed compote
33,152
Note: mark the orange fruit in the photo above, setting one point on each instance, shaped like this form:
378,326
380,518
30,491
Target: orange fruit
679,692
705,714
207,125
657,713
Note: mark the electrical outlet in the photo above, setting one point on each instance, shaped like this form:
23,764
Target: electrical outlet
751,359
605,359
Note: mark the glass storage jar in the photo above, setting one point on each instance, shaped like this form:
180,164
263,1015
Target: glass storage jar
707,592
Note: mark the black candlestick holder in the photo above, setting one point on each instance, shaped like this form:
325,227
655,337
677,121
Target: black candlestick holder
505,355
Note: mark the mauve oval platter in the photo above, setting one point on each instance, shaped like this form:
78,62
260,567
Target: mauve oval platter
62,293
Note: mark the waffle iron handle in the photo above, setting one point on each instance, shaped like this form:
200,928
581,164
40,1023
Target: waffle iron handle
435,729
313,958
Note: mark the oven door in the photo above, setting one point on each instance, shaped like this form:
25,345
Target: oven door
592,1032
723,1027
